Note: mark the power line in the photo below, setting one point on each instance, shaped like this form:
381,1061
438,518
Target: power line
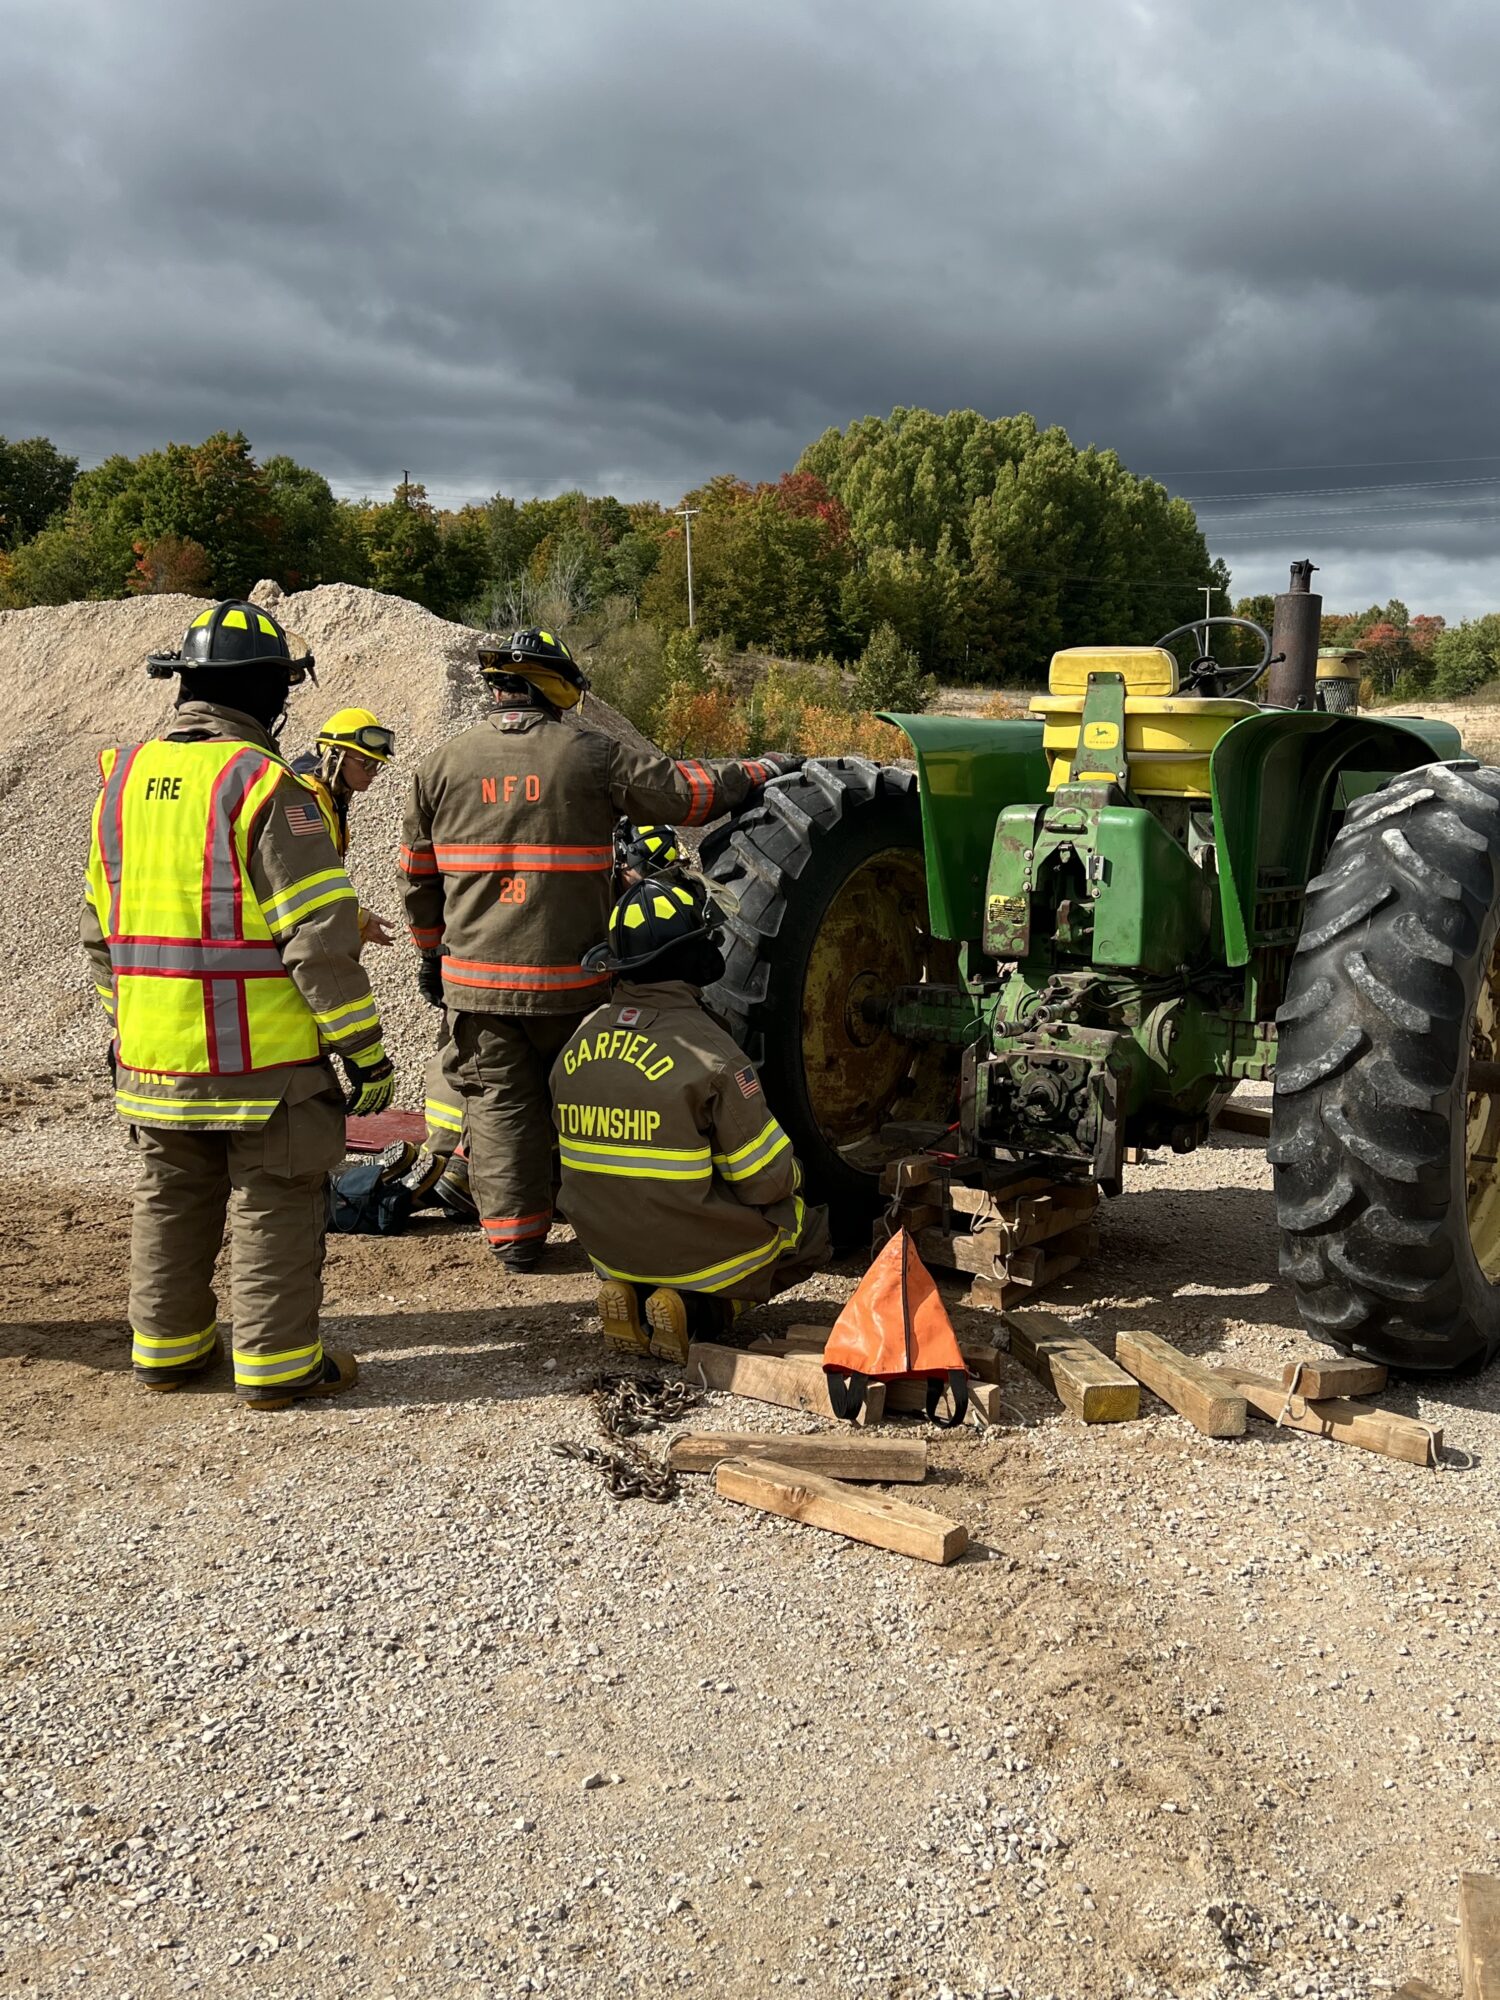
1312,492
1326,465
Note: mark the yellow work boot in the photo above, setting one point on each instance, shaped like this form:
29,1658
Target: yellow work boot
417,1170
168,1379
454,1193
340,1372
667,1317
620,1316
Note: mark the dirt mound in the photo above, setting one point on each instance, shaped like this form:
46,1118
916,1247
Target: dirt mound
73,682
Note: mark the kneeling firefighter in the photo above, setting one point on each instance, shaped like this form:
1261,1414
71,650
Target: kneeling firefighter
679,1183
222,934
352,748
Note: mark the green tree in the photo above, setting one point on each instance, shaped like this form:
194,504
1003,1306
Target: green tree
1466,657
889,675
35,481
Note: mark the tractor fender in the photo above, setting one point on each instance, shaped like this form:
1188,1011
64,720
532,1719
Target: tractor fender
969,770
1278,779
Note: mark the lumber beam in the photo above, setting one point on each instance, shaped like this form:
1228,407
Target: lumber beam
1479,1935
1254,1119
907,1399
844,1510
1084,1380
790,1381
1193,1390
877,1461
1330,1376
1337,1417
1418,1989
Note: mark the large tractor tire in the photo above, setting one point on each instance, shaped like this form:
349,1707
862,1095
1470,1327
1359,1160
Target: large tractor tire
825,891
1385,1133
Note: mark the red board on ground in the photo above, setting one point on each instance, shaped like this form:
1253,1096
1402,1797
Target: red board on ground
373,1135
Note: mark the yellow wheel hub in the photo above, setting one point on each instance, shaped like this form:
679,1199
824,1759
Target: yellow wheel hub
873,939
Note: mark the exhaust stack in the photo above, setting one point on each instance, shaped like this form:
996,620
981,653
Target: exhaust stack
1295,631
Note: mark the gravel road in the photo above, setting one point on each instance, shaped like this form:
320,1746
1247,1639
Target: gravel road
382,1698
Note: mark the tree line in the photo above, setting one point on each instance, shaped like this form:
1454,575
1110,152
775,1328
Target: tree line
981,544
910,546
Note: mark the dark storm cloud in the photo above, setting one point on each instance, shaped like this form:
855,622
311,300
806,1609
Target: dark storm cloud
529,246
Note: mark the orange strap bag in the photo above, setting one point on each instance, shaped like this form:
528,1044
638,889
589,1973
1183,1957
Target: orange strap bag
892,1329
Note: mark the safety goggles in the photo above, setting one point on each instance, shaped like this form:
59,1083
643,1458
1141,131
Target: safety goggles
371,739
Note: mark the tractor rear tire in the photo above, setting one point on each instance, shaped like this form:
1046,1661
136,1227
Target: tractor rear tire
1387,1183
825,891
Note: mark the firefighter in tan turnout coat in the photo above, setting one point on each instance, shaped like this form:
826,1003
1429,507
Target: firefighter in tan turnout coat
507,853
681,1185
223,935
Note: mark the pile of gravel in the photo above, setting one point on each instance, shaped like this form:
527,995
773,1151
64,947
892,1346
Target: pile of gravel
73,682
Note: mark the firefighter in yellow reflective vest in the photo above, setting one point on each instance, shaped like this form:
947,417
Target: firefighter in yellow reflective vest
677,1180
224,941
352,748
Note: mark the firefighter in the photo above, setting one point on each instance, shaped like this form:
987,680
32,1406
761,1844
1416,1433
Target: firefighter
645,851
678,1181
351,748
223,938
508,855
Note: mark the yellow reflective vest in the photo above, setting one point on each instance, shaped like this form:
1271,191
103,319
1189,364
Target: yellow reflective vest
200,989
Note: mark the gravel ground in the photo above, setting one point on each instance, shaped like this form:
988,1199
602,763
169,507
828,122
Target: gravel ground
380,1697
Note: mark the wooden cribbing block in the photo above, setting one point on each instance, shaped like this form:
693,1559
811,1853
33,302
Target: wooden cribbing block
1362,1424
1418,1989
877,1461
1329,1377
1193,1390
1479,1936
828,1503
790,1381
1252,1118
907,1399
1082,1378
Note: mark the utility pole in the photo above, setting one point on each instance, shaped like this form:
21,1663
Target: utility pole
687,514
406,487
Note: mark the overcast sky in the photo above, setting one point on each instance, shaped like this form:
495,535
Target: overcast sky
528,246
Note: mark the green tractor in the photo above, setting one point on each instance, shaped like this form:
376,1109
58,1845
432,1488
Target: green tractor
1065,938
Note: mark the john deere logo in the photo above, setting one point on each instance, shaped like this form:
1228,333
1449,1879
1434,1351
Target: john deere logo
1101,735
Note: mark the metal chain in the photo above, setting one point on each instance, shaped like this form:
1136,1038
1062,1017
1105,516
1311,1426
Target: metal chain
624,1406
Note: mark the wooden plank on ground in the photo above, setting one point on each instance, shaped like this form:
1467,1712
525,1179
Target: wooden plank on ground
1191,1388
880,1461
1082,1378
1479,1935
844,1510
1418,1989
1328,1376
1252,1118
908,1399
790,1381
1362,1424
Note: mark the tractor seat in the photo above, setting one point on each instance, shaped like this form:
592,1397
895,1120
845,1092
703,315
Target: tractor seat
1169,738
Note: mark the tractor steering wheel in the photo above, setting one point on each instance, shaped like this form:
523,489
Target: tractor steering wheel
1205,672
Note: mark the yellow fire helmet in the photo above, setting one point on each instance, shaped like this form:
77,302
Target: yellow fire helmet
359,730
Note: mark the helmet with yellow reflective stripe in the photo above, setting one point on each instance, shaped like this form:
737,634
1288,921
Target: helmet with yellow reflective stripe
649,921
233,633
539,658
648,849
358,729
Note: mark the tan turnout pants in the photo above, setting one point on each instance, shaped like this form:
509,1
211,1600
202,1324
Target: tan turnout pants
444,1108
500,1064
270,1183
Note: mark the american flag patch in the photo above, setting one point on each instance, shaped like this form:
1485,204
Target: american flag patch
748,1082
304,819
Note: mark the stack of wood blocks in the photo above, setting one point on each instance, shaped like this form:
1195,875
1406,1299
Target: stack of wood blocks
1013,1239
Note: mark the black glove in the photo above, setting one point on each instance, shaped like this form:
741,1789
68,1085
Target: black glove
110,1063
371,1084
430,978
